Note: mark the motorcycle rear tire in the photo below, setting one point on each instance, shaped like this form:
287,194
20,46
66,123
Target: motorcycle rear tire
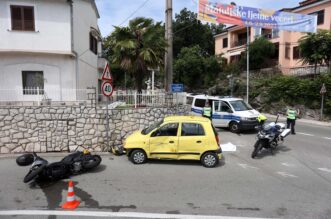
92,162
257,147
32,174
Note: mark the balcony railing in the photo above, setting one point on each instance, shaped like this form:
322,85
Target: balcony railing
240,42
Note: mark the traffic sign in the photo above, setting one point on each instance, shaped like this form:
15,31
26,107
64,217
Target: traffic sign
106,76
107,88
176,88
323,89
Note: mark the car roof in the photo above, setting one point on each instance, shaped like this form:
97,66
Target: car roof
217,98
186,119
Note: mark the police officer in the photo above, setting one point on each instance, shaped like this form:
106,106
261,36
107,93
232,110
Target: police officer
207,110
261,119
291,117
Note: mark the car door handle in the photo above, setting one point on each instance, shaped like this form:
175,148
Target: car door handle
171,142
198,142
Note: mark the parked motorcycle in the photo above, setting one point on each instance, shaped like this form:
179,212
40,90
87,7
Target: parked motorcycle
269,136
72,164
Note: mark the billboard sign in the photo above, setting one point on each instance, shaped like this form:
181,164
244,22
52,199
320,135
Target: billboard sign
216,12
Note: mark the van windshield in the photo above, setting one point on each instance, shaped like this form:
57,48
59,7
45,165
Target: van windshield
151,128
240,105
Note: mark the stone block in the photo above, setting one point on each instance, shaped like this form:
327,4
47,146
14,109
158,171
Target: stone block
18,150
4,150
71,133
4,112
8,118
40,116
5,140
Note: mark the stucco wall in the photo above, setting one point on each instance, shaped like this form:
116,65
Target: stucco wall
59,75
52,27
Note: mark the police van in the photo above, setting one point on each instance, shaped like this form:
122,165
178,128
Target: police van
229,112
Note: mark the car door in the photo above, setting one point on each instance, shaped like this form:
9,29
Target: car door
163,142
222,114
192,141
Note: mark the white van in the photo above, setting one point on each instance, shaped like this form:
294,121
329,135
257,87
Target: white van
229,112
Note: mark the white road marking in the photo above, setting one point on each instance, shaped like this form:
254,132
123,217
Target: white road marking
288,164
325,170
245,166
284,174
114,214
301,133
327,138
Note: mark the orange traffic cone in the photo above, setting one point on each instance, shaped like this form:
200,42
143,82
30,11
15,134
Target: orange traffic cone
71,202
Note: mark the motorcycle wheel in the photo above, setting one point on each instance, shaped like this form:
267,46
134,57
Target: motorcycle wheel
33,173
92,162
257,147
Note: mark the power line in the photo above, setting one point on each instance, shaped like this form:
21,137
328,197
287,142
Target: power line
135,11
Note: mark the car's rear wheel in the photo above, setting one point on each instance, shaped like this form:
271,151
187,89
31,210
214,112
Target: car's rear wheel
209,160
138,156
234,127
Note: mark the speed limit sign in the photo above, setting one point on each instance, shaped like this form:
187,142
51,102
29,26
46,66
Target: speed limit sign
107,88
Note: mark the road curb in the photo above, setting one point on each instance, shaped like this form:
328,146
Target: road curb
302,121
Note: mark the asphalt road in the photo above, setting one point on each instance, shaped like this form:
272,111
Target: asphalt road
293,183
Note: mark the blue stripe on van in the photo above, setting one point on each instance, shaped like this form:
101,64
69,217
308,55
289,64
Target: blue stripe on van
226,117
197,111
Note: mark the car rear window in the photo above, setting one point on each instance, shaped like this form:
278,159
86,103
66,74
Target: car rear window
192,129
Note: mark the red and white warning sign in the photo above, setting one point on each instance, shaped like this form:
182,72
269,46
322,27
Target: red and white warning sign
106,76
323,89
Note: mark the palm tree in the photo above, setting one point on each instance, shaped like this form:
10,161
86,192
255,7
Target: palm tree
138,47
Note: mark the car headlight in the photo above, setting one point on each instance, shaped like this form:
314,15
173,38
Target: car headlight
244,118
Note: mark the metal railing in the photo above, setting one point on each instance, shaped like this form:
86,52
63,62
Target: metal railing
36,94
136,100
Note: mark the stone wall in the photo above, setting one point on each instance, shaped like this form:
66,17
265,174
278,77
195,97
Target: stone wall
71,128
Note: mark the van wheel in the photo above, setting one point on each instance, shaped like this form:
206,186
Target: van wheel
209,160
138,156
234,127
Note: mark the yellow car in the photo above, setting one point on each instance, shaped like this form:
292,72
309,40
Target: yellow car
178,138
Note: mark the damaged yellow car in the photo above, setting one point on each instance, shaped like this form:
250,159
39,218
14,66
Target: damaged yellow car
177,138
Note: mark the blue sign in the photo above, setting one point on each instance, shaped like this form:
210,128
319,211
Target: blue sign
177,88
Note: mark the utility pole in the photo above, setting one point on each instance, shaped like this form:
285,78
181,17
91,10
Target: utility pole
248,41
168,63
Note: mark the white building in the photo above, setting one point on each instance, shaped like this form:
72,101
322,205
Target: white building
52,45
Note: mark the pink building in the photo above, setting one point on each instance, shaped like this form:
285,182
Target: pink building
232,42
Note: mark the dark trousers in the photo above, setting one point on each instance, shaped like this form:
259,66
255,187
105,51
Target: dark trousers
291,123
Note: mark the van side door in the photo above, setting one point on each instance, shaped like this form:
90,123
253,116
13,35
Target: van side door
222,114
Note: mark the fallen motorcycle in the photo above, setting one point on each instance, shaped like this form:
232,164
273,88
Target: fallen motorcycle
72,164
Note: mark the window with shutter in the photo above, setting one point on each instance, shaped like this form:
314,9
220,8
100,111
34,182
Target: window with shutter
22,18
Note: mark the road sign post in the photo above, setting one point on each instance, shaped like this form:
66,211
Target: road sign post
322,92
107,90
177,88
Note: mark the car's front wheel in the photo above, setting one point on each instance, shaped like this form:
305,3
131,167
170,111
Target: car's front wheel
138,156
209,160
234,127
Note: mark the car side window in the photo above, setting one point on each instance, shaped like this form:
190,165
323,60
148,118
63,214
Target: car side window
225,107
192,129
168,130
200,103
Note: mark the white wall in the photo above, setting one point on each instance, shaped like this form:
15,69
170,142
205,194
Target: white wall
85,17
52,27
59,74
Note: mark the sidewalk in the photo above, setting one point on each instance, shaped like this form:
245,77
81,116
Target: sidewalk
302,121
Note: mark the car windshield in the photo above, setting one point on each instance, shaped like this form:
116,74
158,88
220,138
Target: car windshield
151,128
240,105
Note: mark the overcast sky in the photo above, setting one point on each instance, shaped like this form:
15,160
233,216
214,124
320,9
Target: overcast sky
117,12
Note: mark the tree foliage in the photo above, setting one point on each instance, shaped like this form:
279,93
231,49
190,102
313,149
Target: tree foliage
189,31
315,48
195,70
137,48
261,52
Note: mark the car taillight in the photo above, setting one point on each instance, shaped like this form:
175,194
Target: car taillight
217,139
